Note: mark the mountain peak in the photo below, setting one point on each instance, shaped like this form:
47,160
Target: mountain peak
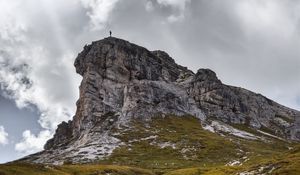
124,84
121,60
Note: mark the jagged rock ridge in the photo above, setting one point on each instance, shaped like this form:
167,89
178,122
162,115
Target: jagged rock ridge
124,82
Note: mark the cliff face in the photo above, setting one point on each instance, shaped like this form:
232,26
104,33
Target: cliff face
129,81
235,105
123,82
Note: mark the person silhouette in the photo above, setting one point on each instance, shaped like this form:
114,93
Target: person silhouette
110,33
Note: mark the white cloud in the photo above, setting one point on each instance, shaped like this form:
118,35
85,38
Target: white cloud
175,18
3,136
149,6
261,16
10,27
34,72
43,85
31,143
179,5
36,85
99,11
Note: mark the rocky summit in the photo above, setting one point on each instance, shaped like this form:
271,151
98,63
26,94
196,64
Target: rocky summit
138,105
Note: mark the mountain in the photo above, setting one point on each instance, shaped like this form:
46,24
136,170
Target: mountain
139,108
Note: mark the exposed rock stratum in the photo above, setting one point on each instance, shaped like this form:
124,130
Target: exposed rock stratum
123,82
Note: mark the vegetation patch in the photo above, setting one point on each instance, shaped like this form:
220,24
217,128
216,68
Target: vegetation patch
169,143
32,169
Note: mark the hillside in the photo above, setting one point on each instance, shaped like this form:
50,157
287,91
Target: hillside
178,146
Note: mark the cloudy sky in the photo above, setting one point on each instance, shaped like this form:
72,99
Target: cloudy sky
253,44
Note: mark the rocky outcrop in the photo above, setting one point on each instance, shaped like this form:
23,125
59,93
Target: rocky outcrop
240,106
124,82
130,81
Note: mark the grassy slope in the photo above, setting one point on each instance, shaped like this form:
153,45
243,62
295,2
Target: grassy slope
195,147
285,164
28,169
195,151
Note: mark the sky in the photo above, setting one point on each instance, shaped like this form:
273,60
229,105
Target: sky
253,44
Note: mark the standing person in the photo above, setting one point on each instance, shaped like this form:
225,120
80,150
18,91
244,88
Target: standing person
110,33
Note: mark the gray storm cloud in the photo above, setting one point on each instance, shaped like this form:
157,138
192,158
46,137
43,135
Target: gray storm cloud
248,43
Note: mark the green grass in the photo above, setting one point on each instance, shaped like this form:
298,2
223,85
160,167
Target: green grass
30,169
206,149
287,163
205,153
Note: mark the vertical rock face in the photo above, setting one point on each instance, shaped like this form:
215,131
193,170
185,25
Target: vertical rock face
130,81
124,82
